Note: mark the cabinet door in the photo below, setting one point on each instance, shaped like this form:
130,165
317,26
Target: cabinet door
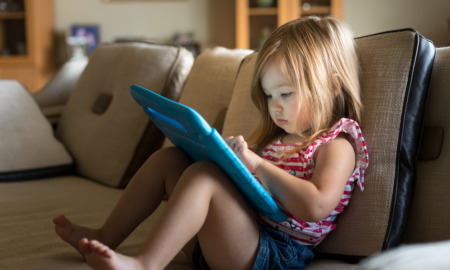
27,52
13,29
255,20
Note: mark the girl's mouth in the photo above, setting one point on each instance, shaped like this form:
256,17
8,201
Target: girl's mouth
281,122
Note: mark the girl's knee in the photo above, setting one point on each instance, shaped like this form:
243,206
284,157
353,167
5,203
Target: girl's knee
171,152
207,174
171,156
202,169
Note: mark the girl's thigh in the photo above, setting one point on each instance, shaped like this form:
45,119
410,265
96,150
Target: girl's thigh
165,167
230,235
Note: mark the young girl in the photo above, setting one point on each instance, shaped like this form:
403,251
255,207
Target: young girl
308,153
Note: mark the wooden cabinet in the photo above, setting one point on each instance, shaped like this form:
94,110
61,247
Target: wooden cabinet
254,22
27,52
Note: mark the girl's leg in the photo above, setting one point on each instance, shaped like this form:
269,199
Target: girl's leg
154,180
204,203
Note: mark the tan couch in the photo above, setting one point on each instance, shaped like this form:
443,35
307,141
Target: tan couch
103,136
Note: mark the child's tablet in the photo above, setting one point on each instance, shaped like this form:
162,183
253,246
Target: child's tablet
188,130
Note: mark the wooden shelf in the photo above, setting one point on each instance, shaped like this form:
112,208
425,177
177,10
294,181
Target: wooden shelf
317,10
252,22
12,15
15,59
262,11
27,52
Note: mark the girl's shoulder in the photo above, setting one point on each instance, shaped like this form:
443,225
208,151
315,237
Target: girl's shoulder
345,127
351,131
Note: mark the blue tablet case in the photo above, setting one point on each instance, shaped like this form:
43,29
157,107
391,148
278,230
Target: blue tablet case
188,130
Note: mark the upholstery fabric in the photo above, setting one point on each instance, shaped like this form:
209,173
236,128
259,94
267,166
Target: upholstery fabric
54,95
396,73
209,87
430,215
57,90
28,146
394,98
27,233
242,117
109,147
26,228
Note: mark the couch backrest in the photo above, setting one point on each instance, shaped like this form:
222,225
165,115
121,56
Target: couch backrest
396,69
430,213
106,132
209,87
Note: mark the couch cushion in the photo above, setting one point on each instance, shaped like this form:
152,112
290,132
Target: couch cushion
54,95
430,213
411,257
28,147
242,117
104,129
58,89
396,68
209,87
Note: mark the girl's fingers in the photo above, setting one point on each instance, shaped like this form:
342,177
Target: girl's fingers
237,144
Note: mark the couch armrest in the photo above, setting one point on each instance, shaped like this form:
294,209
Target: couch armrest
54,95
28,147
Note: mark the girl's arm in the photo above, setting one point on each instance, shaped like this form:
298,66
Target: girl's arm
309,200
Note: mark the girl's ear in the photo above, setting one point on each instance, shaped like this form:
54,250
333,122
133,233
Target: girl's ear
336,82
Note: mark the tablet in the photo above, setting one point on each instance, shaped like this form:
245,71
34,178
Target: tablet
189,131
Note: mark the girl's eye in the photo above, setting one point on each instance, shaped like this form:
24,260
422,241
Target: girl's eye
286,94
268,96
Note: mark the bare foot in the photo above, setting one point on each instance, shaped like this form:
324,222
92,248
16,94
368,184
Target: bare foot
73,233
100,256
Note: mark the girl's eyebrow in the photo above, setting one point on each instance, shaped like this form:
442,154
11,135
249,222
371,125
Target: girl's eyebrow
283,84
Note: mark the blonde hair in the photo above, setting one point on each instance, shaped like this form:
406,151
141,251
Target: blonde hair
313,51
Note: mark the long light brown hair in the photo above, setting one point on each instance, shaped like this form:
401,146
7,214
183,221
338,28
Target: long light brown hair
314,51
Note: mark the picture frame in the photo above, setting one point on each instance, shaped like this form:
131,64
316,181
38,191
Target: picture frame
110,1
87,35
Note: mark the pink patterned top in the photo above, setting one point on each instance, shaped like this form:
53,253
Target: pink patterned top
301,164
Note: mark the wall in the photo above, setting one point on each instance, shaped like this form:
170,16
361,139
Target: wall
212,21
151,20
429,17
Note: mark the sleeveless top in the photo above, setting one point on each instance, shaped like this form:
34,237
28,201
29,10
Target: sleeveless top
301,165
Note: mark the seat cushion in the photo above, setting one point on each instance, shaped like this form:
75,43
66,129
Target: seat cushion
26,226
396,69
107,133
28,147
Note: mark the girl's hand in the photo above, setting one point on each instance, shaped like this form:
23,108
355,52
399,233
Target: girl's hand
248,157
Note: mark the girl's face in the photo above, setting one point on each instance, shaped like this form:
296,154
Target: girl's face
285,107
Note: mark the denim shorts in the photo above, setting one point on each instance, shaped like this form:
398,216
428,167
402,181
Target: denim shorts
276,251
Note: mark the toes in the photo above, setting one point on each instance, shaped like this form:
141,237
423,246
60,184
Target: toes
101,248
83,246
57,219
61,220
89,246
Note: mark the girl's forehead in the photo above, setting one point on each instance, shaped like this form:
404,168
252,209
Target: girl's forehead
275,69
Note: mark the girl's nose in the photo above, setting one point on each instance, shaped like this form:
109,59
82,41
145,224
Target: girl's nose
275,105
